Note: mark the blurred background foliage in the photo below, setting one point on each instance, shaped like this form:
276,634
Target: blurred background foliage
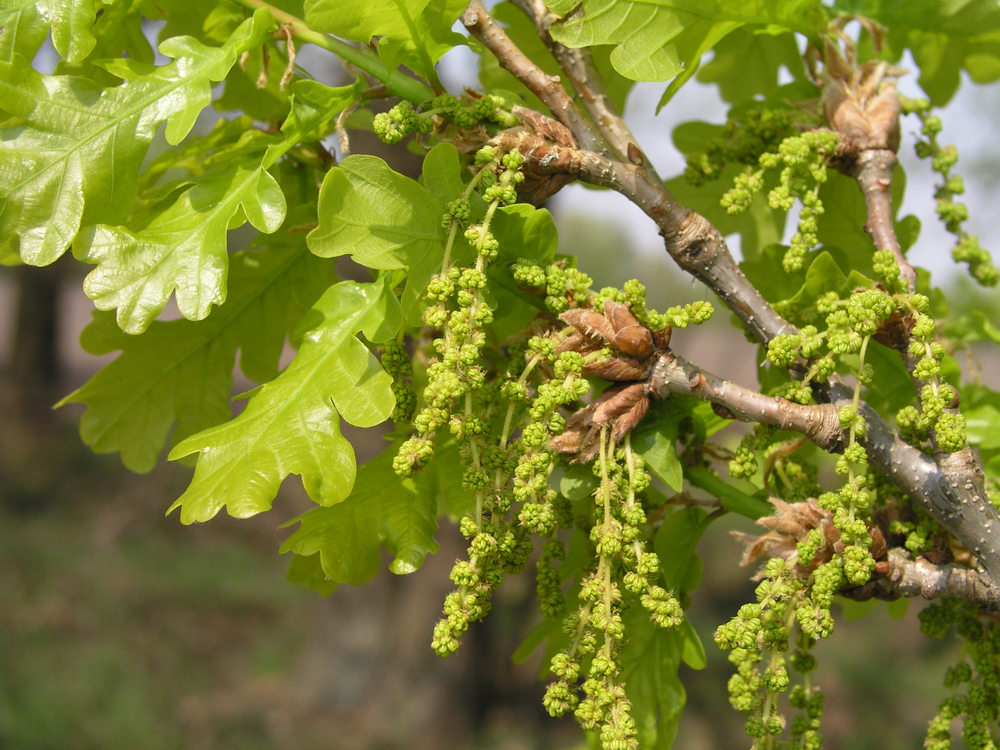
121,629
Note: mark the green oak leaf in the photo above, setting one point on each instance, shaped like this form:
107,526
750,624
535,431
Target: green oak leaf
181,371
523,33
292,424
413,32
182,249
651,657
691,47
524,232
72,159
381,218
945,38
398,514
675,542
309,573
387,221
660,39
243,93
656,441
747,61
182,245
314,110
24,26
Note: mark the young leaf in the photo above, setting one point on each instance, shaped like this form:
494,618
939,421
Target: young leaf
944,38
307,571
656,441
345,536
55,164
387,221
650,659
24,26
693,653
292,424
182,249
382,509
416,33
746,63
675,543
314,108
658,40
524,232
181,371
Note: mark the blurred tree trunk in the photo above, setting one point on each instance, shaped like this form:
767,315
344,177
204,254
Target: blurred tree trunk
32,460
34,360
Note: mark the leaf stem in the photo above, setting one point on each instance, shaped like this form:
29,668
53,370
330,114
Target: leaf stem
398,83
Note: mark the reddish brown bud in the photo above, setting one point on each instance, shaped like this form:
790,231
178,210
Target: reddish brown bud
661,338
630,335
577,342
590,323
615,402
619,368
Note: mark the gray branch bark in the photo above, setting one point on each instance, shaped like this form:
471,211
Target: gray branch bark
902,576
949,487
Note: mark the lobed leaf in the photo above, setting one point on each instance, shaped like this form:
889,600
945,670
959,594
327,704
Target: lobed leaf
383,509
73,157
657,40
387,221
944,38
291,425
25,24
183,249
181,371
747,61
416,33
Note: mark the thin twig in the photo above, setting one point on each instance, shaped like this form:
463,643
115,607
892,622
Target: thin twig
286,77
873,171
578,66
901,576
345,142
548,88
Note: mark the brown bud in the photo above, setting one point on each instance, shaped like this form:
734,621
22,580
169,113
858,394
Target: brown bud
722,411
590,323
619,368
894,331
879,548
545,126
661,338
572,438
577,342
630,335
621,408
635,155
615,402
630,419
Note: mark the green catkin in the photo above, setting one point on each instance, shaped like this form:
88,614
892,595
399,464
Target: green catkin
951,213
975,680
509,470
758,641
396,362
746,136
802,161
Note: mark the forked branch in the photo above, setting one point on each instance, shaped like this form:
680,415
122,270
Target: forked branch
901,576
